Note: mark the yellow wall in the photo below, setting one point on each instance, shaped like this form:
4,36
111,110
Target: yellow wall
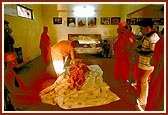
26,32
60,32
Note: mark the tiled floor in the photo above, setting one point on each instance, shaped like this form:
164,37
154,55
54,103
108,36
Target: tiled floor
34,75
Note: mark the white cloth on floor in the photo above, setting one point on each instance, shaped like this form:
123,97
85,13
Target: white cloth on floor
94,91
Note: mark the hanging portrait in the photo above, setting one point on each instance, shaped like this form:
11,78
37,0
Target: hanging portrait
81,22
57,20
105,20
71,21
115,20
91,22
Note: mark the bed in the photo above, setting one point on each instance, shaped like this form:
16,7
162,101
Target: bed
88,43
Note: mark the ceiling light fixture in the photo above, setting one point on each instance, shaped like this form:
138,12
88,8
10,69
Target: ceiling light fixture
85,11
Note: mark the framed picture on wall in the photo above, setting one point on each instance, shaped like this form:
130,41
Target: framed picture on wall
115,20
57,20
81,22
24,12
71,21
128,21
139,20
92,22
105,20
134,21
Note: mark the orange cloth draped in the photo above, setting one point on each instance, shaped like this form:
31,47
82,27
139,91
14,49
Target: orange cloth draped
156,90
123,52
45,47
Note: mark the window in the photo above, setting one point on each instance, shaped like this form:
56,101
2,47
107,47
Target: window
24,12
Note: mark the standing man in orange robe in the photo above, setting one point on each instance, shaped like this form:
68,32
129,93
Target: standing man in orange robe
123,52
45,45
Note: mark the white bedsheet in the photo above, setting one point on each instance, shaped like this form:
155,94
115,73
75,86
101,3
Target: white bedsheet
81,50
94,92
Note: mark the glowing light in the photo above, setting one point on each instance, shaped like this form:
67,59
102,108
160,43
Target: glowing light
85,11
58,66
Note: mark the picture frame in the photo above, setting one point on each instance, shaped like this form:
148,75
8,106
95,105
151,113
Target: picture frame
81,22
71,21
139,20
105,20
57,20
128,21
91,22
115,20
134,21
24,12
